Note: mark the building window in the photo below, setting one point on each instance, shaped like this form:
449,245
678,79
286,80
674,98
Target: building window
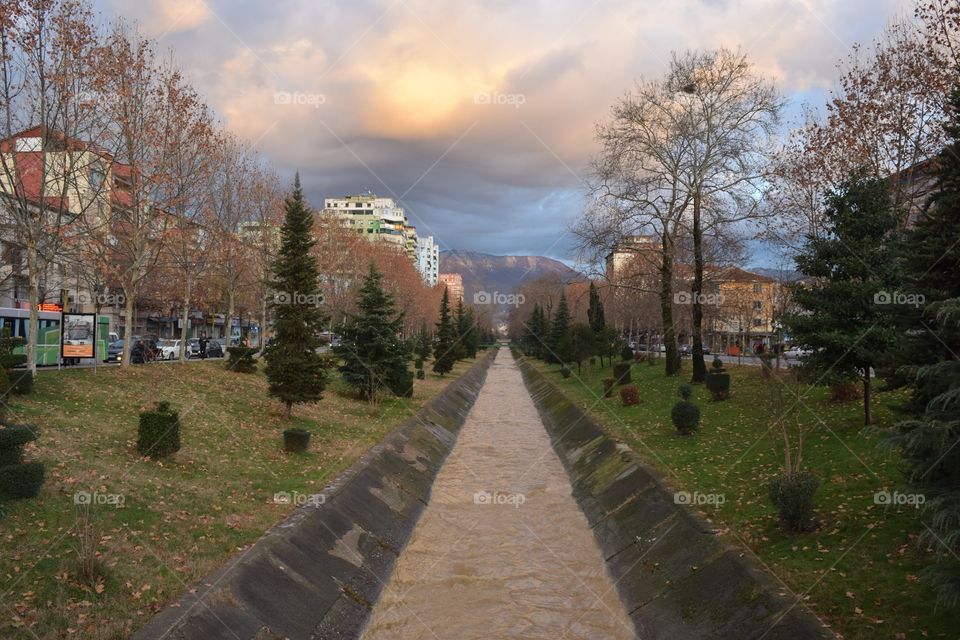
758,305
757,287
757,322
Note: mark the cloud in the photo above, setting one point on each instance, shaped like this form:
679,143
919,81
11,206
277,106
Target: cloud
480,113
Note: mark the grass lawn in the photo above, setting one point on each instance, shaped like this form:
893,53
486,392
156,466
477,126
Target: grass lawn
859,570
181,517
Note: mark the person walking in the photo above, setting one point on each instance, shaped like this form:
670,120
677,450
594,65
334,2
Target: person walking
203,346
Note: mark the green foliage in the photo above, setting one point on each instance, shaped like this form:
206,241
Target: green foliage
621,373
558,342
718,381
424,346
792,495
421,375
296,440
535,334
581,343
418,364
158,434
685,415
595,314
565,371
444,356
468,333
626,353
842,311
294,369
18,379
629,395
12,439
240,359
18,481
373,355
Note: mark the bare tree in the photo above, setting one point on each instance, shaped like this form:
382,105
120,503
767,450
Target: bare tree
728,115
49,159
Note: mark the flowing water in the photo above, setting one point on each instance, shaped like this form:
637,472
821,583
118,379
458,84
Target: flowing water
502,550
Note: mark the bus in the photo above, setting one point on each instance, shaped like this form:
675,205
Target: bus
13,322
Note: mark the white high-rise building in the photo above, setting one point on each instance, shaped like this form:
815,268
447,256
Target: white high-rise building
428,259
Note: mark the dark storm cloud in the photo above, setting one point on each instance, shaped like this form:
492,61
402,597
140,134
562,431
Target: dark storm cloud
479,114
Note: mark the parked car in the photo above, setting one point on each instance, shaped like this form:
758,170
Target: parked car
687,350
114,351
214,349
796,352
169,349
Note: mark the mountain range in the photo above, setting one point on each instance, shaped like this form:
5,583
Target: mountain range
501,274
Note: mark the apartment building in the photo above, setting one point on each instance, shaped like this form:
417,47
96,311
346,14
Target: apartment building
454,284
377,218
428,260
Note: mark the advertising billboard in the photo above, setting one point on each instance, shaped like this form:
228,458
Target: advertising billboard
78,335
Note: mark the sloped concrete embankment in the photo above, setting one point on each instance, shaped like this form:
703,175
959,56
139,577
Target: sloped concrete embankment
317,574
676,579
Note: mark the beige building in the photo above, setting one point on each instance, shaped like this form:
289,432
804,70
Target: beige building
454,284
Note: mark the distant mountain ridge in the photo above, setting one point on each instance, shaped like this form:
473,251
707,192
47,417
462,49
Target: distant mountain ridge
501,274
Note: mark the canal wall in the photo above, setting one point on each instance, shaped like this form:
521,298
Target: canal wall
317,573
675,577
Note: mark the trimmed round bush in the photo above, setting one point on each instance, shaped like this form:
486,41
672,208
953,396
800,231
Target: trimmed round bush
565,371
629,395
626,354
608,386
718,381
418,364
685,415
240,359
621,373
420,374
158,434
19,481
792,495
845,391
296,440
12,439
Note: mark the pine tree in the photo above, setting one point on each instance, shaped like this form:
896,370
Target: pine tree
559,343
424,346
462,324
295,370
444,356
374,356
930,440
598,322
845,317
529,340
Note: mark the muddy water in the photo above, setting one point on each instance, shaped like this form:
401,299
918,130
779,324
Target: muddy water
502,550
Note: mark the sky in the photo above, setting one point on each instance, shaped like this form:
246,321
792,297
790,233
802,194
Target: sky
477,115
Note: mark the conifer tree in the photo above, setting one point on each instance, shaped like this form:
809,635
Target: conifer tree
374,356
444,355
295,370
558,343
846,311
929,440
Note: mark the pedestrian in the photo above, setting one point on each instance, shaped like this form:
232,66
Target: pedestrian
203,346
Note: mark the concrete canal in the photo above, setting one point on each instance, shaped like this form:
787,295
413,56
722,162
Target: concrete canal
502,550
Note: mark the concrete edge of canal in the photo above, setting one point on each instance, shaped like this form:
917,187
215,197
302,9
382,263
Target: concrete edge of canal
318,573
674,576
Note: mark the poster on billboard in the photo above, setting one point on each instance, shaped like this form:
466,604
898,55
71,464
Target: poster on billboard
79,335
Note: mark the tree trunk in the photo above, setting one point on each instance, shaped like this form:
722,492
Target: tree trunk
33,328
228,321
263,324
185,318
699,366
867,411
672,366
128,327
